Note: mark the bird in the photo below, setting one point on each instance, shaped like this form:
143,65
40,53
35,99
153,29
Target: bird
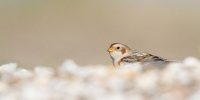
122,55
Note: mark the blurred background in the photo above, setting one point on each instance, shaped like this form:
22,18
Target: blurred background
46,32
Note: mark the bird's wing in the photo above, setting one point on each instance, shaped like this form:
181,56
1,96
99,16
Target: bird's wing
143,57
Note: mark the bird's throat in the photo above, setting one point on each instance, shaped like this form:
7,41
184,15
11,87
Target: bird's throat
117,62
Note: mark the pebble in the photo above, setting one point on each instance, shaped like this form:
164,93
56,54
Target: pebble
178,81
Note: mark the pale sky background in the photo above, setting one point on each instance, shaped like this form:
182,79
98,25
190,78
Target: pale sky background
47,32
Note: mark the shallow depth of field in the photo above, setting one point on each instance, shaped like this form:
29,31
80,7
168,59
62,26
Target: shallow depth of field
46,32
37,36
177,81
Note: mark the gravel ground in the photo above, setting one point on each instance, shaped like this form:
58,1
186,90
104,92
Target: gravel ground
178,81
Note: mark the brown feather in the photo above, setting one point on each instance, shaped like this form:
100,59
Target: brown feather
123,51
119,62
143,57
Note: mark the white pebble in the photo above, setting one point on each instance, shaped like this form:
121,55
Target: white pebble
68,66
8,68
191,62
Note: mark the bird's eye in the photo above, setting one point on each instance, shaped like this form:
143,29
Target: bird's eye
118,47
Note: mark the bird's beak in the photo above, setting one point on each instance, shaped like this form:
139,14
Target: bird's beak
110,50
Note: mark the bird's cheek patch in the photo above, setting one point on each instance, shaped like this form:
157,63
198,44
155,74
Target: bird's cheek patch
123,51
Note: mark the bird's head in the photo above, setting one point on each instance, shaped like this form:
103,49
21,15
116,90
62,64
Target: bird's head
118,50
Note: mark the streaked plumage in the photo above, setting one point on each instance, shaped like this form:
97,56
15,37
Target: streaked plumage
122,55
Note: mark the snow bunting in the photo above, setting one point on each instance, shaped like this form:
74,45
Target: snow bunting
122,55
